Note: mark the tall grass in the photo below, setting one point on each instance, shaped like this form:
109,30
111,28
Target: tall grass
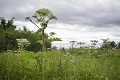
58,66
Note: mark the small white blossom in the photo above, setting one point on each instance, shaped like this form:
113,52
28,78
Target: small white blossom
67,53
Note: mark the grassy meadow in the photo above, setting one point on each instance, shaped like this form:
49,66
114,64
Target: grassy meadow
60,65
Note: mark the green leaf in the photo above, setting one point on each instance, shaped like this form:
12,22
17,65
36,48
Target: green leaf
39,41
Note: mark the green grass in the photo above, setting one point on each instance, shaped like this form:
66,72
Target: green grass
59,66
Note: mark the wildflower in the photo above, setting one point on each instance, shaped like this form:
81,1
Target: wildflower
102,76
71,60
63,60
106,78
67,53
98,55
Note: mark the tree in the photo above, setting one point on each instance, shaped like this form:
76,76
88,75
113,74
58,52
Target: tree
7,33
42,16
118,45
113,44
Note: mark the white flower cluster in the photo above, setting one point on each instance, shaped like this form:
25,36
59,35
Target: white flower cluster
22,43
22,40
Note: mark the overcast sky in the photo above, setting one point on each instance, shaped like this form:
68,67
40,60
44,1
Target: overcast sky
79,20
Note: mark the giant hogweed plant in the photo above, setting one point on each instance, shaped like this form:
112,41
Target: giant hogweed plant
42,17
22,43
106,45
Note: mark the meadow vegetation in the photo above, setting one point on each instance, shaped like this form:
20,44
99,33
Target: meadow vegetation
60,65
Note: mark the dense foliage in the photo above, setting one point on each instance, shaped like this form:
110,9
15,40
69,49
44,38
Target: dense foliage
9,34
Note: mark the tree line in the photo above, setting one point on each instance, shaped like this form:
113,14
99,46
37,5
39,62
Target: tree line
9,34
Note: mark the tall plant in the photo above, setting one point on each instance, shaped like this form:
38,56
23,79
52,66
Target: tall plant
42,17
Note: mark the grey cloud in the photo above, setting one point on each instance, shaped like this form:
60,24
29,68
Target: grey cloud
94,13
116,35
100,13
16,8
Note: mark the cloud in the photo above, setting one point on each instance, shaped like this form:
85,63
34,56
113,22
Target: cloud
91,12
